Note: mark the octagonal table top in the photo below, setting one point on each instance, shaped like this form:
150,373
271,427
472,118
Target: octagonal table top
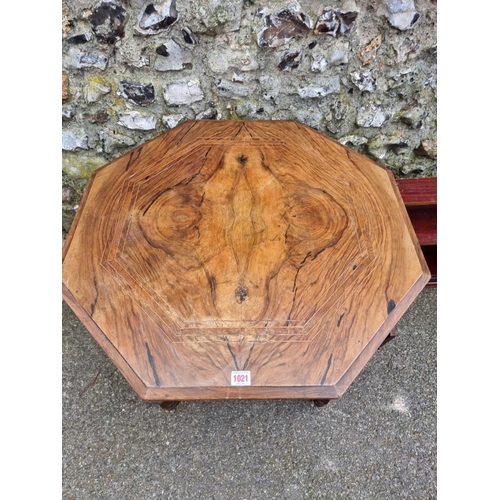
241,260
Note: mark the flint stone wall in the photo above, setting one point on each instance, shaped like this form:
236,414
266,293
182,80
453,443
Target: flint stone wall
362,72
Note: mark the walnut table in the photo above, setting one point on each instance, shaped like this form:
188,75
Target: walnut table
241,260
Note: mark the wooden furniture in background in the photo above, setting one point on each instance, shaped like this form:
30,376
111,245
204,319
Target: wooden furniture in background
420,199
241,260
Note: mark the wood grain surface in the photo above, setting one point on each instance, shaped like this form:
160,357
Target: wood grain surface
223,246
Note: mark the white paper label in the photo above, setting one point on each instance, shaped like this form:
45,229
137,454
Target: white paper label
241,378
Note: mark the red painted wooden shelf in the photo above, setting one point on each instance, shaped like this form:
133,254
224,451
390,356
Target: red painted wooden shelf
420,198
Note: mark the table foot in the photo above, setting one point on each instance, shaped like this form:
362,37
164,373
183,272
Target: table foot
169,405
389,337
320,402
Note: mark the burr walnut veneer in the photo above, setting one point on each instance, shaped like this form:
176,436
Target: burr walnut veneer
241,260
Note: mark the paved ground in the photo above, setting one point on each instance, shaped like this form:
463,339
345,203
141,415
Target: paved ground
377,442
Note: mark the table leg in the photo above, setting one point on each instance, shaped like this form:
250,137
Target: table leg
320,402
169,405
389,337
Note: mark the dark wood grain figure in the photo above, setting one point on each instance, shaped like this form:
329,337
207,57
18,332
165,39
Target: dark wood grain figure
241,246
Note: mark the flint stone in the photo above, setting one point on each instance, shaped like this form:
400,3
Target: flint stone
327,22
317,91
79,39
67,115
428,149
183,92
270,87
68,193
171,121
284,26
135,120
405,48
71,141
93,91
319,63
99,117
353,140
401,14
114,142
414,169
338,54
108,21
348,6
79,59
413,117
364,81
226,88
377,147
212,16
172,57
188,36
371,116
337,22
141,62
290,60
209,114
142,95
157,17
380,145
309,117
314,91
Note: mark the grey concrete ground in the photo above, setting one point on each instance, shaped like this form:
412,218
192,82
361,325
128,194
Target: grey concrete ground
377,442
